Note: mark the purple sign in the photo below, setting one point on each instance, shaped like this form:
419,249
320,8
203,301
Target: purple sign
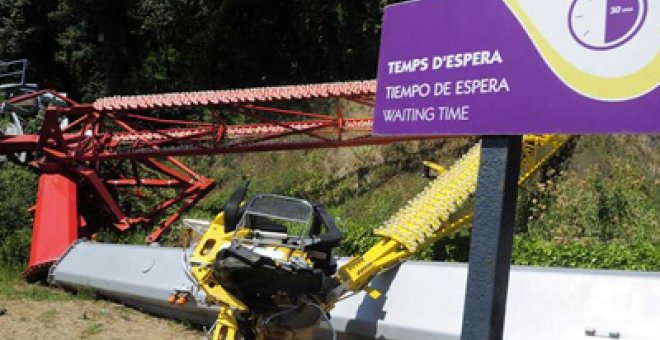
519,66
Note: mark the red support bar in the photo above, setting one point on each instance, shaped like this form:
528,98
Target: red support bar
292,130
39,93
100,189
51,135
55,225
259,147
286,112
74,123
154,164
170,202
26,96
183,167
165,121
76,110
201,191
16,144
173,138
147,182
170,159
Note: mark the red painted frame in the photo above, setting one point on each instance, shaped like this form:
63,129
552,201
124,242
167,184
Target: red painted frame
94,147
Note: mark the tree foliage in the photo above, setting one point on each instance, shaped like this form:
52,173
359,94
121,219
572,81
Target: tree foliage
93,48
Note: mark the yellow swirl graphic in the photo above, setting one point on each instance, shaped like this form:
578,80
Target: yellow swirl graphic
605,88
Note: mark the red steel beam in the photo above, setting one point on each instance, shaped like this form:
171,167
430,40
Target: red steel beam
55,225
260,147
83,145
357,89
147,182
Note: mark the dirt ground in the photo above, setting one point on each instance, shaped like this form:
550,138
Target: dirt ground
36,311
85,319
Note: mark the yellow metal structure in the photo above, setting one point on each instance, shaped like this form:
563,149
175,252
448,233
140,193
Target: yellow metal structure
226,327
214,239
439,169
441,208
201,261
437,211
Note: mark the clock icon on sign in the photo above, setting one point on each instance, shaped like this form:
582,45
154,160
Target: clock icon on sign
605,24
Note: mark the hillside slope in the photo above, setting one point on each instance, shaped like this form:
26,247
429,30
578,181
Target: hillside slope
598,201
595,205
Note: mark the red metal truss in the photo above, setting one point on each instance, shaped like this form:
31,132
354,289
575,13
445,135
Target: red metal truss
125,145
355,89
123,127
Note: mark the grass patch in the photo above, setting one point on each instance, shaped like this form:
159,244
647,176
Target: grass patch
91,330
12,287
47,316
642,255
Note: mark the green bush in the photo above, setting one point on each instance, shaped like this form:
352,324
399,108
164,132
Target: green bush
609,192
357,239
598,210
17,193
15,247
624,256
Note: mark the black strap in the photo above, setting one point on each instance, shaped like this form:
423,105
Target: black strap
233,206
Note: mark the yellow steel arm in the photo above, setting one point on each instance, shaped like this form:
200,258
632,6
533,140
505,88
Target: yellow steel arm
201,261
432,214
440,209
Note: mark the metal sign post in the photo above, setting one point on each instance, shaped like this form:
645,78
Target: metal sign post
492,236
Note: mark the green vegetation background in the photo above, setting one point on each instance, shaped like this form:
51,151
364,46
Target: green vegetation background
596,206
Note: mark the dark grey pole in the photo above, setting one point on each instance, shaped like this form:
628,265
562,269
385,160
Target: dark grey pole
23,69
492,236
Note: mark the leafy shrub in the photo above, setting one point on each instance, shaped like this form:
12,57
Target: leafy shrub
15,247
357,239
17,194
640,255
603,196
